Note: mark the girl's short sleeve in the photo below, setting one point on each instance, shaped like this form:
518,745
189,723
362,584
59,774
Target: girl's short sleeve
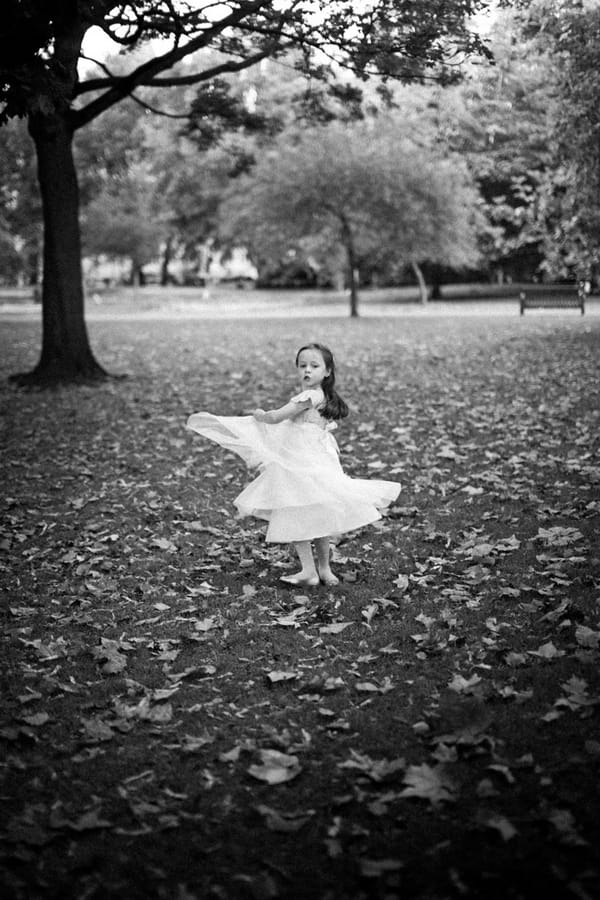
315,396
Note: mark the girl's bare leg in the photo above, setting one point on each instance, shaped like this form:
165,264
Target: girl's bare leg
308,573
322,546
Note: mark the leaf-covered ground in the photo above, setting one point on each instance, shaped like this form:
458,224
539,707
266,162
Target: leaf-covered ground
175,724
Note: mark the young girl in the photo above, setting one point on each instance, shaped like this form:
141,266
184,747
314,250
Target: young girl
302,490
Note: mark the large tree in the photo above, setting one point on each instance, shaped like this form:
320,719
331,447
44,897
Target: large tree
383,197
500,125
569,31
40,48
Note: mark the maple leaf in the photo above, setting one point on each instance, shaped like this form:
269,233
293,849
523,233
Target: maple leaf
577,697
428,783
369,612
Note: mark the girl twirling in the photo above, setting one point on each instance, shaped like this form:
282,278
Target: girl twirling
302,490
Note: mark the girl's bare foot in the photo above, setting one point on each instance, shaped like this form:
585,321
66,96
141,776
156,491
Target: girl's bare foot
328,578
301,578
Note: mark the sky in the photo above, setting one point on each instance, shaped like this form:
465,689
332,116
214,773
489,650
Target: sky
99,46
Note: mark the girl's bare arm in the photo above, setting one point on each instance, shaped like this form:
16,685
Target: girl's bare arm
289,411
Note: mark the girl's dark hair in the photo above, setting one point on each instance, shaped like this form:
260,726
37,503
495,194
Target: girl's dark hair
334,407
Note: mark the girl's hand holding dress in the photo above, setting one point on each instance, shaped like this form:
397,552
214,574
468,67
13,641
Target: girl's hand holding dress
260,415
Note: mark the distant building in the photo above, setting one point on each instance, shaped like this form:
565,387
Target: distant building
212,266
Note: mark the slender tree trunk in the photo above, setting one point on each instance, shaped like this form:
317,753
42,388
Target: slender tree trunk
33,264
137,276
424,297
165,276
66,353
348,242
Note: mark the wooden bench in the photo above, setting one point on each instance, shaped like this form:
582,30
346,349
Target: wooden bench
555,297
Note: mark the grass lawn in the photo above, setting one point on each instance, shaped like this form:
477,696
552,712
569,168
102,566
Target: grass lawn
175,724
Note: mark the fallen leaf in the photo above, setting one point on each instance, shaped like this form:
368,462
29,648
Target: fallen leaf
547,651
402,583
375,868
88,821
36,720
335,627
285,822
587,637
502,825
275,767
464,685
376,769
428,783
164,544
281,675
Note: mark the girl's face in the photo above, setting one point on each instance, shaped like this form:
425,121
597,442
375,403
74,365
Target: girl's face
311,368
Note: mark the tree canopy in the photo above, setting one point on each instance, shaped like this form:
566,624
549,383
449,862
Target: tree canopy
41,40
20,210
40,49
569,32
370,189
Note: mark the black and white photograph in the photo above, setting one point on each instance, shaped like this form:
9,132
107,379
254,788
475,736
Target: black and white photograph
300,450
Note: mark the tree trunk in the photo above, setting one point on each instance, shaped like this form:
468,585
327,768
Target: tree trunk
137,274
32,267
66,353
348,242
353,292
165,275
436,290
424,297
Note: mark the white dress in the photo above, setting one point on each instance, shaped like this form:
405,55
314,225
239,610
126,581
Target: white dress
302,490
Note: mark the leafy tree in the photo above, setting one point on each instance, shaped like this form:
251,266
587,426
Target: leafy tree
367,188
108,147
20,228
124,221
40,46
569,30
530,130
194,164
498,120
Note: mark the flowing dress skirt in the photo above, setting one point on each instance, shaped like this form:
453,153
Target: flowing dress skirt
301,490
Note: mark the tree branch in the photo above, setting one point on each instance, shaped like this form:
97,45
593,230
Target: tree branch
158,112
94,84
146,72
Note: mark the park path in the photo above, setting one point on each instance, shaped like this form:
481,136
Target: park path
283,307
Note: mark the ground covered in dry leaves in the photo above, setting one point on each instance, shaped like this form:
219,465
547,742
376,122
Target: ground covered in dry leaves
176,724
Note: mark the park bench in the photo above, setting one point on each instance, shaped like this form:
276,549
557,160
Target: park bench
555,297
